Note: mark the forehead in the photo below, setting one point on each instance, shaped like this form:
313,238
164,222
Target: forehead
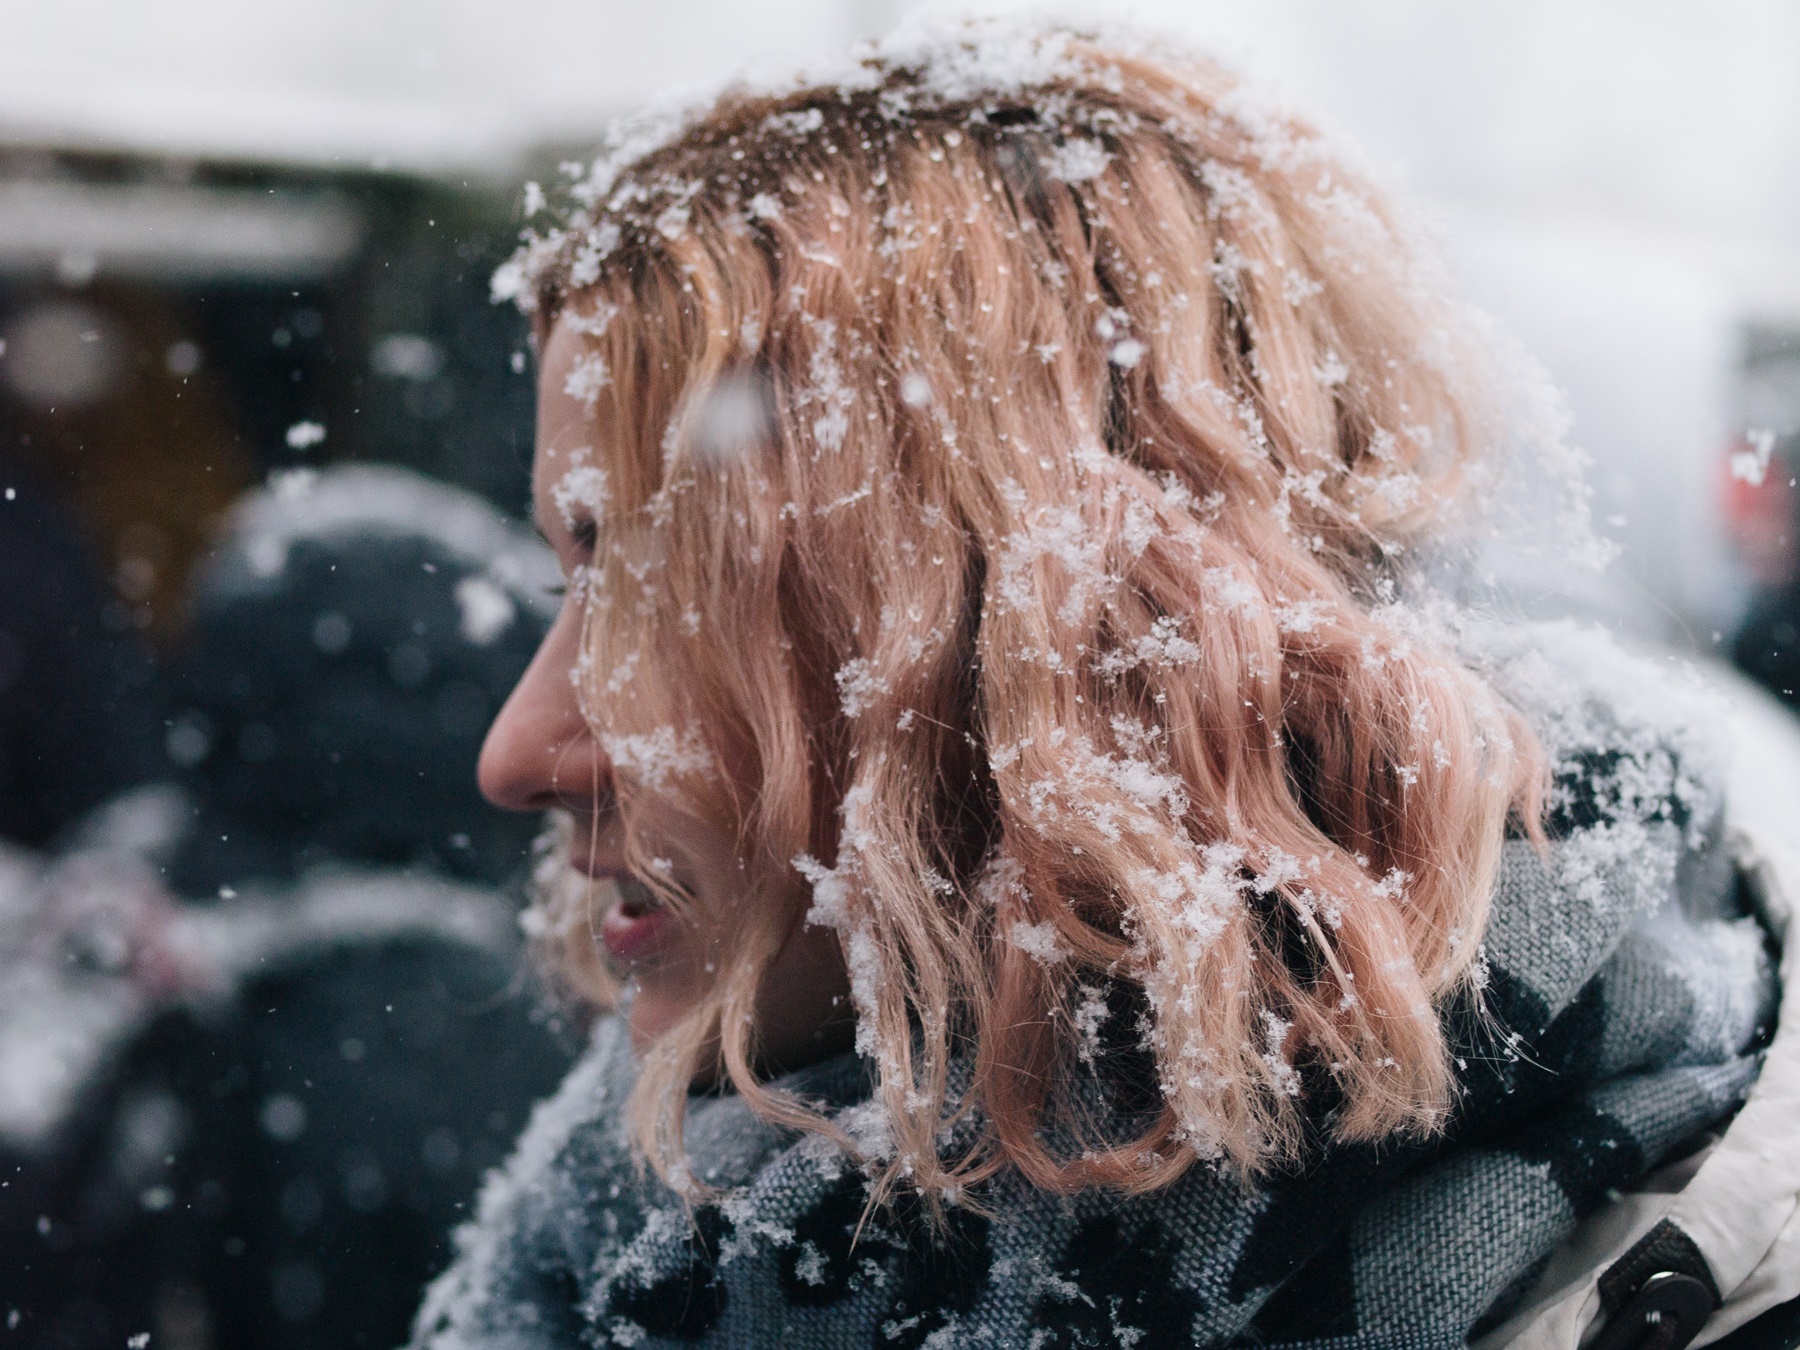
565,422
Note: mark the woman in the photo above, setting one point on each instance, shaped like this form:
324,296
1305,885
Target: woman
1066,898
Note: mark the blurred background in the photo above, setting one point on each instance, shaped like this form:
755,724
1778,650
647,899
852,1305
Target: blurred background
264,447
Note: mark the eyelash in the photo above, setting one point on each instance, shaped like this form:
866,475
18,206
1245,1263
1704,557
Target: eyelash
586,535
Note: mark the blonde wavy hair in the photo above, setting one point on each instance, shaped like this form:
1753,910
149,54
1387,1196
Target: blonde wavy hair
1008,465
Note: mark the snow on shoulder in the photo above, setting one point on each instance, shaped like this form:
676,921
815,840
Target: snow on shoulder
1636,746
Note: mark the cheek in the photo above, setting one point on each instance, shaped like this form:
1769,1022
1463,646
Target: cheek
802,1012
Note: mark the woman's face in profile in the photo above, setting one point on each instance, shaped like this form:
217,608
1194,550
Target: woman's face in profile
541,754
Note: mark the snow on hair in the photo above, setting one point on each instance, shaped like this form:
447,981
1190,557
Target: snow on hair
1042,588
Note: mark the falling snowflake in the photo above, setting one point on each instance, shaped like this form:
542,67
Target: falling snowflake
305,435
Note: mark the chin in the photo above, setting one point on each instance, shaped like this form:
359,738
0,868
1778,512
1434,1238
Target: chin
654,1010
802,1015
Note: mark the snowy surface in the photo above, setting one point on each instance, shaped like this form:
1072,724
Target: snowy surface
1544,103
403,84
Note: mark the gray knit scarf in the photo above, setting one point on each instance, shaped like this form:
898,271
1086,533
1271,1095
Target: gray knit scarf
1626,990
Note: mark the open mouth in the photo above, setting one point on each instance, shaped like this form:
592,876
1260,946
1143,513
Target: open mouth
636,924
635,898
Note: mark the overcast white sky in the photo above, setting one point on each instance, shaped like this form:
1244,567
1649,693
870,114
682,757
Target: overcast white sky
1681,111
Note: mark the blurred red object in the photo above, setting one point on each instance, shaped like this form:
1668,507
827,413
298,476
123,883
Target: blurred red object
1760,512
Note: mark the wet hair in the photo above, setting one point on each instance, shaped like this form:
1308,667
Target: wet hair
1006,459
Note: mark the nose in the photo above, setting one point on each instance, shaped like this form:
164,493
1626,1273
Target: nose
540,751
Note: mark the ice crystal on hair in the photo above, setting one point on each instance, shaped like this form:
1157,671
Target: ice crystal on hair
1305,616
1202,898
1279,870
1275,1033
623,673
593,324
831,893
1112,793
1089,1016
859,686
870,1128
1038,941
861,492
1001,885
1396,491
1127,353
1076,161
819,253
1135,737
583,488
1309,487
587,376
1232,591
800,123
1161,647
1139,528
1228,267
1063,534
1297,287
673,221
657,758
1230,189
962,61
833,908
829,391
596,247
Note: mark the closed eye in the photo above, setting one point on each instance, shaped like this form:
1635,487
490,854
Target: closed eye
585,535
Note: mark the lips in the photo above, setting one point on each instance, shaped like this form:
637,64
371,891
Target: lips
635,925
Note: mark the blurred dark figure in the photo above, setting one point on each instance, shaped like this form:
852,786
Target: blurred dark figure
349,645
1763,509
77,719
309,1025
